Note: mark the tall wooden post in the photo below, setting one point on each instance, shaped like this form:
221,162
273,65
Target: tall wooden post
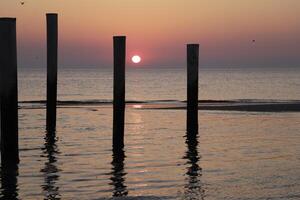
8,92
119,91
51,70
192,87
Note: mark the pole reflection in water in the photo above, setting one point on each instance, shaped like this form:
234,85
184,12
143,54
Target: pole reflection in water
9,181
193,187
50,170
118,173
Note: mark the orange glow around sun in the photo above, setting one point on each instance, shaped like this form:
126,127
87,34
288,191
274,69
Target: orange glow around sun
136,59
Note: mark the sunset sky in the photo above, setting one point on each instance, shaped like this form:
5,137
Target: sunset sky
158,30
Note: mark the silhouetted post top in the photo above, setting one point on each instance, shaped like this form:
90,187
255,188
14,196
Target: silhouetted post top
7,19
193,45
123,36
51,14
119,37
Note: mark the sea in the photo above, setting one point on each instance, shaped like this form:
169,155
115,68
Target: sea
238,155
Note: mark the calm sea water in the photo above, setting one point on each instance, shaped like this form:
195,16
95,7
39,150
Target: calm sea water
165,83
238,155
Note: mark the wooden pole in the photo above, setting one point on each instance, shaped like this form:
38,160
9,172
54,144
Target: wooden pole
8,92
119,91
51,70
192,88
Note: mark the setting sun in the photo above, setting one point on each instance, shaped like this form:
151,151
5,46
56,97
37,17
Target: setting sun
136,59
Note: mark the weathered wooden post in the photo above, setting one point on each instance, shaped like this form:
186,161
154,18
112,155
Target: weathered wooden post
8,92
51,70
119,91
192,88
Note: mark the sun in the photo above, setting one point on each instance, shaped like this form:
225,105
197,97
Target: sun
136,59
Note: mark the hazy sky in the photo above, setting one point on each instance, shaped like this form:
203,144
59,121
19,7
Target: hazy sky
159,29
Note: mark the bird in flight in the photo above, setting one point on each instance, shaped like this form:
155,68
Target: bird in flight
253,41
22,2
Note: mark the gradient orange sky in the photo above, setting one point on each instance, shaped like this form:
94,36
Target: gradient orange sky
158,30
